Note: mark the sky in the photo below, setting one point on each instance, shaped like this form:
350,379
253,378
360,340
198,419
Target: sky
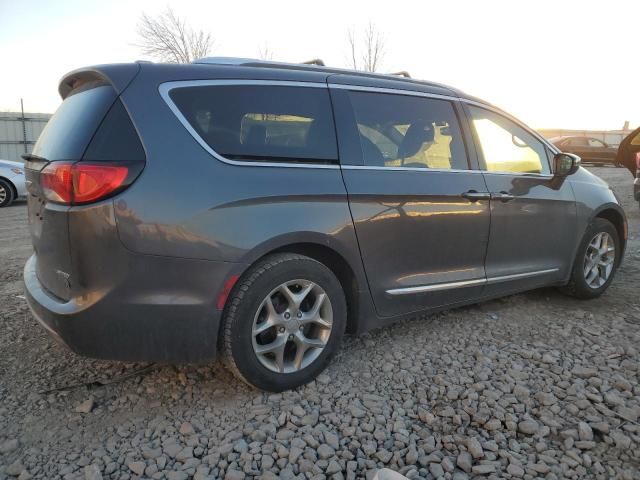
554,64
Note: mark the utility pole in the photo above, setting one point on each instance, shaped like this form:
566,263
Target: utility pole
24,127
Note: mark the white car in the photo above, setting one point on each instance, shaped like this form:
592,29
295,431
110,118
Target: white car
12,183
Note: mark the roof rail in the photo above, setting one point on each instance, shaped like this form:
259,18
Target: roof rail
401,73
315,61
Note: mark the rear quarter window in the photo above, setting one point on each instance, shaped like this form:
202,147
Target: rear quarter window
261,122
71,128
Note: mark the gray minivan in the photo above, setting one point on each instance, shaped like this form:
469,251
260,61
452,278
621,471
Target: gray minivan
257,211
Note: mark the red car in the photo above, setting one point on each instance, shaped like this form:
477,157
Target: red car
629,156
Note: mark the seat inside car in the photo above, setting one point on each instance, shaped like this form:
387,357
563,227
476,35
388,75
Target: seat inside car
419,133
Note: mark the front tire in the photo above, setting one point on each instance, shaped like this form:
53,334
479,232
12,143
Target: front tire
6,194
596,261
283,322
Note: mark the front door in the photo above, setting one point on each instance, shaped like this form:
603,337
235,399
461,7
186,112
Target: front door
421,213
629,151
533,213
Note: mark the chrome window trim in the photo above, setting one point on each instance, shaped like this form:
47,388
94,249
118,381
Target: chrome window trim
395,91
413,93
527,129
510,117
165,88
468,283
398,91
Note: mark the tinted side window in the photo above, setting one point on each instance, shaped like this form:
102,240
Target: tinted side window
505,146
70,129
116,138
255,122
408,131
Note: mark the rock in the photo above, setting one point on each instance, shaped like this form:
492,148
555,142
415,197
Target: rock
528,427
541,467
521,393
546,399
474,447
493,424
357,412
332,440
447,464
436,470
334,467
172,450
284,434
323,379
14,469
584,431
186,429
179,476
613,399
9,446
515,470
465,461
240,446
583,372
620,439
458,475
483,469
325,451
137,467
92,472
629,414
86,407
383,455
184,454
411,457
234,475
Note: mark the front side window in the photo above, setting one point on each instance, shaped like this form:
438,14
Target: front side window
261,122
506,147
408,131
577,142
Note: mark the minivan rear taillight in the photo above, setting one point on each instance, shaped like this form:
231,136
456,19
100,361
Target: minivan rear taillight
638,160
80,183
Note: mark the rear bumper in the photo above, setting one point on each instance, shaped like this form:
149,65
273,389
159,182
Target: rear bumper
163,311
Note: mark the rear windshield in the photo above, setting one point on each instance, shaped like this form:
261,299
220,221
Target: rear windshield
69,131
268,123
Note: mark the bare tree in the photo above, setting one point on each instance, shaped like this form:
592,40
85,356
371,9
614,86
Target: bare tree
368,57
265,53
169,38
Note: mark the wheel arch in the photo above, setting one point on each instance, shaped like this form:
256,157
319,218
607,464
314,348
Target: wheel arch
11,185
614,214
338,258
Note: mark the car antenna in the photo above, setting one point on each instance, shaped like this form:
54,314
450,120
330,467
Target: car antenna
401,73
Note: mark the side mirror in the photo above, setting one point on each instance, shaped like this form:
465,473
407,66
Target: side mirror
565,164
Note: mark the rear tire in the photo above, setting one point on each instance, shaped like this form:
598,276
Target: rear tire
283,322
6,194
595,264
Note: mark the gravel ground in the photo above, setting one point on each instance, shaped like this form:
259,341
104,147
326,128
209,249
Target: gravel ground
536,385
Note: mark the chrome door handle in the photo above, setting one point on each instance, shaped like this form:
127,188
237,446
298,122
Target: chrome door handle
474,196
502,196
